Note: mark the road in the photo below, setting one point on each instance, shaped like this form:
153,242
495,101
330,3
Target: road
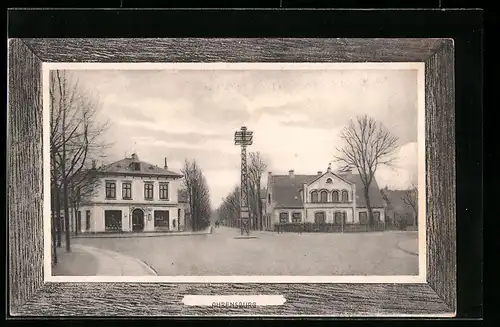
308,254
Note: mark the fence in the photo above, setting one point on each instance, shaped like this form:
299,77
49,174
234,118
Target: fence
327,228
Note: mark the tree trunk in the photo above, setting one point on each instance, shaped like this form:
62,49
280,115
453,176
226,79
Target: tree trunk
77,221
53,230
259,206
66,216
369,207
58,225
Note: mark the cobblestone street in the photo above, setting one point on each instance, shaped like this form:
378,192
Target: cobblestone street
308,254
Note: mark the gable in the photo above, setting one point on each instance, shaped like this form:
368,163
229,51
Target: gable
329,181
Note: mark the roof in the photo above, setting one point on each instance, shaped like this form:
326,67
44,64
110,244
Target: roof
286,190
125,167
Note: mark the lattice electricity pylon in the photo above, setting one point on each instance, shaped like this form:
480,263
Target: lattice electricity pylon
243,138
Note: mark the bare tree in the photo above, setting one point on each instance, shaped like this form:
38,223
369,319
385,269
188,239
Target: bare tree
410,198
83,186
198,195
76,138
256,169
230,208
367,145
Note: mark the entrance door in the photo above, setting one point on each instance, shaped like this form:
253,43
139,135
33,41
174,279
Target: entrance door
319,217
137,220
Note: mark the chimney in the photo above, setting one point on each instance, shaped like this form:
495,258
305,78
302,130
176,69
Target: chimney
93,164
134,157
269,173
166,166
291,173
329,167
320,173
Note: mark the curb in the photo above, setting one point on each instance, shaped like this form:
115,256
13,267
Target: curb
141,263
145,265
404,250
146,234
149,267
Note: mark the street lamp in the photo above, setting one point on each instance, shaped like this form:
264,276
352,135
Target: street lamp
243,138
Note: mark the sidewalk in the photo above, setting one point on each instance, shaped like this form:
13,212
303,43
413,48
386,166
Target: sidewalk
75,263
105,262
408,246
143,234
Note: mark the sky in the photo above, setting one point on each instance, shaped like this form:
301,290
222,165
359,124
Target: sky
296,117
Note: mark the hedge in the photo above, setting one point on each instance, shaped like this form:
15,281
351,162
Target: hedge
326,228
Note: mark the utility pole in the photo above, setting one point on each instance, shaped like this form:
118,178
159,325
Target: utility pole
243,138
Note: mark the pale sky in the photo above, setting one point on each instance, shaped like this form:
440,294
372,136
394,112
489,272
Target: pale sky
296,117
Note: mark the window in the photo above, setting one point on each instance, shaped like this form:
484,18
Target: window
329,180
78,221
296,217
110,190
283,217
87,220
363,218
137,166
173,223
324,196
345,196
127,191
344,216
335,196
161,218
113,220
339,216
269,198
163,191
319,217
148,191
314,196
376,217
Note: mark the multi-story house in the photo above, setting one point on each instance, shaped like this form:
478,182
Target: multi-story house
329,197
133,195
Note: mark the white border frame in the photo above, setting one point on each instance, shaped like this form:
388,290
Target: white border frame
422,253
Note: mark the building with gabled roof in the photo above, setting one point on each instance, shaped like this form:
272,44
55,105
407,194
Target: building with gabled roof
396,208
133,196
330,197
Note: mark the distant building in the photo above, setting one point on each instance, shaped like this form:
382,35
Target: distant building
396,208
133,195
322,198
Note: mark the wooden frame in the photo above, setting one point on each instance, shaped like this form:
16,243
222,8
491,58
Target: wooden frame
30,296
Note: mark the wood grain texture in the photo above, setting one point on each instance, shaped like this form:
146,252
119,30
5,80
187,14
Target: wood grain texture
118,299
30,297
233,50
25,182
441,173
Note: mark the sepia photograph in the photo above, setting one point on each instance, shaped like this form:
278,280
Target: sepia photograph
295,177
235,172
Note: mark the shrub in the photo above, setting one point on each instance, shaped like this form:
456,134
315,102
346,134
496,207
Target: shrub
402,224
